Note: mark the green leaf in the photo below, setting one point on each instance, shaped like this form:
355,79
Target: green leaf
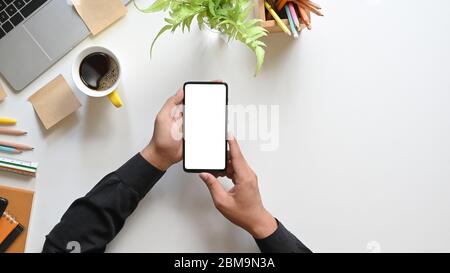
161,31
158,5
260,52
200,21
211,7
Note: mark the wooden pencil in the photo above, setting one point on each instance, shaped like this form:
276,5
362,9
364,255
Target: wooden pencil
304,16
11,132
313,4
16,146
310,8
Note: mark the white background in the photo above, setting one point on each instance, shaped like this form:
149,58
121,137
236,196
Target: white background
364,149
204,126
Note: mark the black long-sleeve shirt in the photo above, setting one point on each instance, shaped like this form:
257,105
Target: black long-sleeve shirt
91,222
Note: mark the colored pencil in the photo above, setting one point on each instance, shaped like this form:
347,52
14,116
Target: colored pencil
294,15
11,132
16,146
9,150
7,121
277,19
308,6
304,15
281,4
311,3
291,22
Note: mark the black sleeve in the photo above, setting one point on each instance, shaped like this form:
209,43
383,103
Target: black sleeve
281,241
91,222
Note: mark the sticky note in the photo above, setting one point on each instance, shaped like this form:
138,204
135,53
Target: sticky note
2,93
54,102
99,14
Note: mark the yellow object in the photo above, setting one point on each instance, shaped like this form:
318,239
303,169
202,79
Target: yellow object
7,121
277,19
115,99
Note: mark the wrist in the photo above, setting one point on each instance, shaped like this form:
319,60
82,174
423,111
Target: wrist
265,226
151,154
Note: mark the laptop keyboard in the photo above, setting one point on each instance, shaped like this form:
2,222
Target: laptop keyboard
13,12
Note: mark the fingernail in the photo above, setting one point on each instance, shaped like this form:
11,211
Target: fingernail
203,176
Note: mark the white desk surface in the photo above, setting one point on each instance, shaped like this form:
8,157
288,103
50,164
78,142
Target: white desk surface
364,149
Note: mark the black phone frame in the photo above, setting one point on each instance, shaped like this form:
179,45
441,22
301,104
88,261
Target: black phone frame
226,127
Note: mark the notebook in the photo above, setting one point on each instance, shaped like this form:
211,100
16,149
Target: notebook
10,230
20,203
3,205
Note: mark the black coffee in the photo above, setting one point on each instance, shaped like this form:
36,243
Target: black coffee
99,71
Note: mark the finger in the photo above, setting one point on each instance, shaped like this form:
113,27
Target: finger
237,159
230,171
219,174
173,101
177,112
176,130
216,189
178,98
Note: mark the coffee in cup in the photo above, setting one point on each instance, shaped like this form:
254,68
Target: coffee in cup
99,71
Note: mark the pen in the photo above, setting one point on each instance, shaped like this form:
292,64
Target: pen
277,19
9,150
16,146
291,22
7,121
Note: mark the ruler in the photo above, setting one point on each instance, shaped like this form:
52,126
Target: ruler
18,166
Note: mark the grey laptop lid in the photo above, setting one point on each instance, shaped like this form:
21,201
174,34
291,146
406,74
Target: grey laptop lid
39,41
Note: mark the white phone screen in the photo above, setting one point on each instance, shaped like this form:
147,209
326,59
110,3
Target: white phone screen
205,122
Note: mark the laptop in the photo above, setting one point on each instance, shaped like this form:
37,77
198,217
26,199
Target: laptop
35,34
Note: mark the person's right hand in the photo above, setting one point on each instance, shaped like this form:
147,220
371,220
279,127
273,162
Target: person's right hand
166,145
242,205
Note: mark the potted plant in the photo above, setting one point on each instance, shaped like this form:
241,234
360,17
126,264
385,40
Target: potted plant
229,17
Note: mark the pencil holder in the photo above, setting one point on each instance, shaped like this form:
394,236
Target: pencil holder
268,23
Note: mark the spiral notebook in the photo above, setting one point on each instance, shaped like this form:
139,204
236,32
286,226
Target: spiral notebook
19,209
10,229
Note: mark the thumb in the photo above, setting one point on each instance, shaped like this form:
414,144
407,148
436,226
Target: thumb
216,189
173,101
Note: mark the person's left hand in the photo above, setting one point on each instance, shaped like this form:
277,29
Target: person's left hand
166,145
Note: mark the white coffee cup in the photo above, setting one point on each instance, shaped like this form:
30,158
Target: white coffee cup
111,92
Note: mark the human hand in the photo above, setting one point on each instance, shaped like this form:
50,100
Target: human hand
242,205
166,145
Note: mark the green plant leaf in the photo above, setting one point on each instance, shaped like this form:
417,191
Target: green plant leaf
259,51
161,31
211,7
158,5
200,21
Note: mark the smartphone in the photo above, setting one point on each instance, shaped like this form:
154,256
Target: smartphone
3,205
205,127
